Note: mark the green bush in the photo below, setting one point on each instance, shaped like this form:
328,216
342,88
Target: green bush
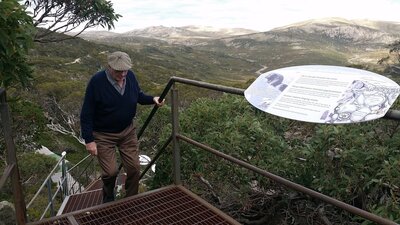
355,163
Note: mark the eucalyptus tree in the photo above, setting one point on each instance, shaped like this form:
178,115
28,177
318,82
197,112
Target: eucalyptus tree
63,16
16,31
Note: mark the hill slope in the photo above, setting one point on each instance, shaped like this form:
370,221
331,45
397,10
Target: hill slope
332,41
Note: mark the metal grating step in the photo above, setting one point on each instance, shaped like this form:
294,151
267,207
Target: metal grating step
170,205
81,201
92,196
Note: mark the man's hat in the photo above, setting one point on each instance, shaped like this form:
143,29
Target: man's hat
119,61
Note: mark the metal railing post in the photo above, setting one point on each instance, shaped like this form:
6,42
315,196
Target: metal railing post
175,130
19,202
50,197
64,177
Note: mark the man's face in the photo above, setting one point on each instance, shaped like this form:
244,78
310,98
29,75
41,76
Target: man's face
118,75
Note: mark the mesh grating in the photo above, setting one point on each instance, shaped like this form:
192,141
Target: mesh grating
170,206
92,196
164,206
83,200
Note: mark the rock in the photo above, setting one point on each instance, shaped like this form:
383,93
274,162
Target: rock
7,213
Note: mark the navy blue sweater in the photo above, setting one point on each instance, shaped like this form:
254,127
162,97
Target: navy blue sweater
105,110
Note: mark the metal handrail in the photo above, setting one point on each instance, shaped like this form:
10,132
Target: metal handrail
51,201
63,182
391,114
45,180
78,163
82,172
291,184
162,149
167,88
172,80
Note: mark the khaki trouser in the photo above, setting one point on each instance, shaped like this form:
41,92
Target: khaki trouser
128,146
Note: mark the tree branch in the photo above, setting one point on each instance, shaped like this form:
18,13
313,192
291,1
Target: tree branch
67,119
63,16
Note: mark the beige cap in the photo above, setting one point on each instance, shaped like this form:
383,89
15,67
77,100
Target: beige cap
119,61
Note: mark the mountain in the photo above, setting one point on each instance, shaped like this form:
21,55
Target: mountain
169,34
98,34
197,32
381,32
232,55
333,41
354,31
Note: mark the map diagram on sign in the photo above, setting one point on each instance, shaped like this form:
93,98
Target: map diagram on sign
323,94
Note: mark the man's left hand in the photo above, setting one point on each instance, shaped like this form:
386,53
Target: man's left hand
156,101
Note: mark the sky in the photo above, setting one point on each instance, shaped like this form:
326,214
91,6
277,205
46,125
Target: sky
259,15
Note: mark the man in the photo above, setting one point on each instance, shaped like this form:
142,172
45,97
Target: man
107,117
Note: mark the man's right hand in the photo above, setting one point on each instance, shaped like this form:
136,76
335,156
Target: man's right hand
92,148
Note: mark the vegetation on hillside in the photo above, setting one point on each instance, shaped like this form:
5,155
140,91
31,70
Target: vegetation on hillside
392,61
356,163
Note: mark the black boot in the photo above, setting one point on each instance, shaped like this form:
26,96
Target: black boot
108,189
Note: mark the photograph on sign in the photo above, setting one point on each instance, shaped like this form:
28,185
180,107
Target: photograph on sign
323,94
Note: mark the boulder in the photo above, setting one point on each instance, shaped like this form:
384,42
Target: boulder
7,213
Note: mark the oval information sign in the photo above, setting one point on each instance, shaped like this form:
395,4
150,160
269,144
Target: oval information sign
323,94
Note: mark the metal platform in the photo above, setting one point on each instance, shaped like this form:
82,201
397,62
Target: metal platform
168,205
